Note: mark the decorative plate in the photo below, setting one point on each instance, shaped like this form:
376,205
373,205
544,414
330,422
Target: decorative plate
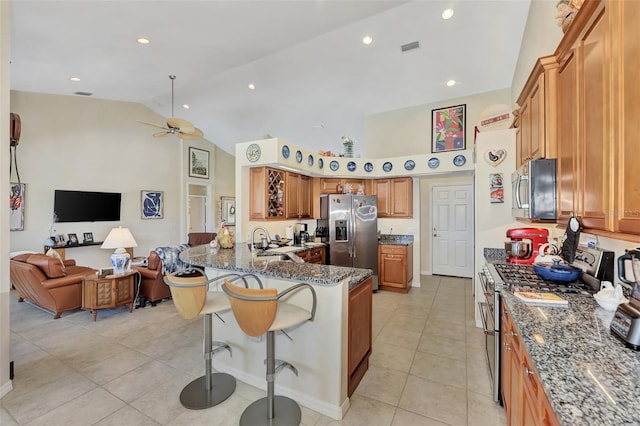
285,151
320,163
351,166
459,160
298,156
334,165
433,163
387,167
368,167
253,152
310,160
409,165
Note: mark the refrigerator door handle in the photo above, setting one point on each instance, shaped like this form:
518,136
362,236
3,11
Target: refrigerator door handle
353,230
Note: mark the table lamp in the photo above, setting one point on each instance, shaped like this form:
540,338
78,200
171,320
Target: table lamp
117,239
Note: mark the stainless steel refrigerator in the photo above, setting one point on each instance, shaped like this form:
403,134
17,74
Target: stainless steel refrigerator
349,225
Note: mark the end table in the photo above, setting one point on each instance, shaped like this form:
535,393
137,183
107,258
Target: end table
108,292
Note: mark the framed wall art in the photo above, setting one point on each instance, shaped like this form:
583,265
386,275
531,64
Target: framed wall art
198,163
152,204
448,128
228,210
16,206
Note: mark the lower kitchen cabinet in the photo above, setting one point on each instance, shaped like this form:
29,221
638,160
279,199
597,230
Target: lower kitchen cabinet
360,334
314,255
525,401
395,267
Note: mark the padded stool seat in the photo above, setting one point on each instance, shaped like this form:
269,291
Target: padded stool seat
260,311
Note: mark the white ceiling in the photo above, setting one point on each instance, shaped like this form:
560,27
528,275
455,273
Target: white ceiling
305,57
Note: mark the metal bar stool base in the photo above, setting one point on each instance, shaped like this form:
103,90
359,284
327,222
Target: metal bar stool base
196,397
286,413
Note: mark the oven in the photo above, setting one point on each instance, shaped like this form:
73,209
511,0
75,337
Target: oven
489,307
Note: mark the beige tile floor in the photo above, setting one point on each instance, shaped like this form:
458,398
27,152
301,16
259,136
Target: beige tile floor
427,367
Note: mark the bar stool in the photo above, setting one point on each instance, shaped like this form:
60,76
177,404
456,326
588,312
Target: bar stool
191,298
260,311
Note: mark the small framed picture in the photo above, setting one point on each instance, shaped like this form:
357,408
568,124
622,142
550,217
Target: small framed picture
198,163
58,239
88,237
152,204
103,272
73,239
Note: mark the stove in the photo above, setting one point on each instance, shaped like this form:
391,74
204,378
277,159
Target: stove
523,278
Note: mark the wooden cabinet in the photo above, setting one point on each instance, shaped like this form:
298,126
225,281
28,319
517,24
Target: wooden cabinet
536,134
329,185
395,267
395,197
298,196
108,292
314,255
359,334
524,399
278,195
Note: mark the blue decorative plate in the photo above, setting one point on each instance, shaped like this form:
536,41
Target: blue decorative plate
320,163
409,165
334,165
351,166
368,167
285,151
459,160
387,167
298,156
433,163
310,160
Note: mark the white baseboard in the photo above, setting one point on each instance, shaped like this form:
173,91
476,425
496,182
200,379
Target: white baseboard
6,388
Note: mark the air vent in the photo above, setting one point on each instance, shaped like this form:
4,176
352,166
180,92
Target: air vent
410,46
83,93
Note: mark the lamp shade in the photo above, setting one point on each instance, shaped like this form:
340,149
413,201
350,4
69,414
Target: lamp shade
118,239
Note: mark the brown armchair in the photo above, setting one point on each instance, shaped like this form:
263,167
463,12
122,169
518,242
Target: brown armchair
200,238
152,286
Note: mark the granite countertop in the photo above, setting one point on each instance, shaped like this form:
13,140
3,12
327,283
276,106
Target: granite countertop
395,239
589,375
240,259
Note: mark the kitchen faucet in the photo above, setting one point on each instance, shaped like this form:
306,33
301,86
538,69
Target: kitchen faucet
253,237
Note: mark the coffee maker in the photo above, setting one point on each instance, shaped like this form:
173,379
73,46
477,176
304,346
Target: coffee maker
300,234
524,244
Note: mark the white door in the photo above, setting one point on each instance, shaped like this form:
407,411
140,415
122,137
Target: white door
197,214
452,231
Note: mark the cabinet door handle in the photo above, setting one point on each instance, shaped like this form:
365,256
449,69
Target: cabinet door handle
513,334
528,372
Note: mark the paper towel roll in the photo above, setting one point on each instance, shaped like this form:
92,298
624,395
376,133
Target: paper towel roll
288,233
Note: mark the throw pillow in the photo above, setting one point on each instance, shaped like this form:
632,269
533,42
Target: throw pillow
53,253
52,268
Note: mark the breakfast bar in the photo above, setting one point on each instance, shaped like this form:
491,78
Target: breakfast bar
322,350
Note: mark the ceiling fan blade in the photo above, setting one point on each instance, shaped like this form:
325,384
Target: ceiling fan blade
153,124
161,134
181,124
197,134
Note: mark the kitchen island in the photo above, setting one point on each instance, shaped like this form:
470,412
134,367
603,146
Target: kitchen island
327,354
588,374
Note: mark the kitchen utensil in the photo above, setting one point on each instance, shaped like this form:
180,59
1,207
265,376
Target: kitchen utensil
534,237
557,272
547,254
572,239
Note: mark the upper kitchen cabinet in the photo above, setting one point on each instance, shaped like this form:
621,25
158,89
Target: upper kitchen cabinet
298,196
536,134
395,197
330,185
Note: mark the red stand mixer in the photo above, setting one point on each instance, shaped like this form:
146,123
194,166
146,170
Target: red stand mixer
525,244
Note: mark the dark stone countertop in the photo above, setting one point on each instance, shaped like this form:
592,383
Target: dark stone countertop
240,259
589,375
395,239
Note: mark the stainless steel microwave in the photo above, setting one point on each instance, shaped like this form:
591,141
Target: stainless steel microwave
534,191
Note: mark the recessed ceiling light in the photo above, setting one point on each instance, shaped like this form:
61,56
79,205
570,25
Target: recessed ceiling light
251,86
142,40
74,78
185,106
447,13
451,83
367,39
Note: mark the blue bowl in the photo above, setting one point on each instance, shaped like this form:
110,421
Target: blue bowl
557,272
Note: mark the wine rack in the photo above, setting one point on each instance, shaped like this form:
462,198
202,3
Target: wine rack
275,193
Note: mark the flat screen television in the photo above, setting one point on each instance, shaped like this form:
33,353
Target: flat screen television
86,206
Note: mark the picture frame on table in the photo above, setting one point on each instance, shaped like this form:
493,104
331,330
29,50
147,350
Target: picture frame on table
88,237
448,127
152,204
198,163
73,239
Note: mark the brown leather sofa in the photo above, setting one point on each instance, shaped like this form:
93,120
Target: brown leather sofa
200,238
48,282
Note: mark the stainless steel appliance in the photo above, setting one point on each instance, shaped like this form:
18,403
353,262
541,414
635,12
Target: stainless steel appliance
524,244
300,235
626,320
534,191
349,225
596,264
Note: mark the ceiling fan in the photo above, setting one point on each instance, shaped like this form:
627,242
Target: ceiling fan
176,126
